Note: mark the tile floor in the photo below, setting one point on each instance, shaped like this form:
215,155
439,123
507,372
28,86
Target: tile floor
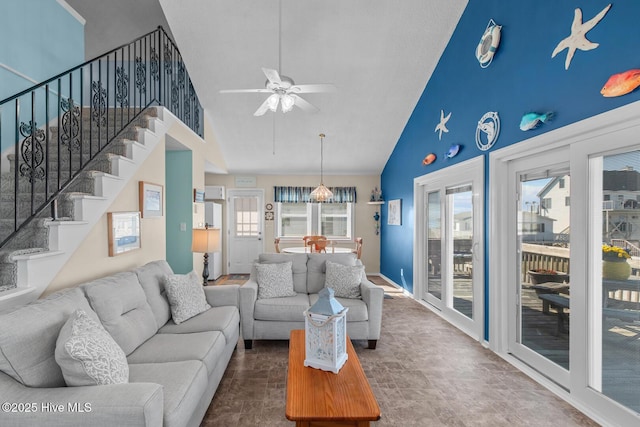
424,372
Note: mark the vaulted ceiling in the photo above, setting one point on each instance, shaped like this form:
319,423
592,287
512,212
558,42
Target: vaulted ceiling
378,53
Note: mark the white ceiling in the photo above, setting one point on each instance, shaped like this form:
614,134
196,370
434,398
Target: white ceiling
378,53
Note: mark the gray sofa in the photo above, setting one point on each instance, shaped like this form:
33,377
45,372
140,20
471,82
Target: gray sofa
275,318
174,369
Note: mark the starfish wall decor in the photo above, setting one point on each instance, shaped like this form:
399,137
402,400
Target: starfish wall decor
442,126
578,37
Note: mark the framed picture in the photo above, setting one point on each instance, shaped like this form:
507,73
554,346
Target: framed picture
198,195
394,214
150,199
124,232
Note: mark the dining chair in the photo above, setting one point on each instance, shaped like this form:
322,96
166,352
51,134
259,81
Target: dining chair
358,248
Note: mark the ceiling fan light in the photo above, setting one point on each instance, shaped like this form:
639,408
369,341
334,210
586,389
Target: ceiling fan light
287,103
272,102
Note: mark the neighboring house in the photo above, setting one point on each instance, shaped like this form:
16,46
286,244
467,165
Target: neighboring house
533,227
555,201
621,204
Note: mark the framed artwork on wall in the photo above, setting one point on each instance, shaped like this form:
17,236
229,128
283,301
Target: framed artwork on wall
151,202
124,232
394,212
198,195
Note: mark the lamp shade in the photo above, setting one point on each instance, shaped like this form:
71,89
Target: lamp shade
205,240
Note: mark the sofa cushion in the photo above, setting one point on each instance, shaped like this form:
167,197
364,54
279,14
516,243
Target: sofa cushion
343,279
186,296
316,268
275,280
282,309
183,385
28,338
224,319
358,311
206,347
122,308
298,266
151,277
88,355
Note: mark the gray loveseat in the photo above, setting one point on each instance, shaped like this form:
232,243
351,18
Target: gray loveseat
174,369
275,318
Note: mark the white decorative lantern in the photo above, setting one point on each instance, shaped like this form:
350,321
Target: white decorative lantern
326,333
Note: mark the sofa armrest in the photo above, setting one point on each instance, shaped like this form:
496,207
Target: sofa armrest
248,297
218,296
373,296
132,404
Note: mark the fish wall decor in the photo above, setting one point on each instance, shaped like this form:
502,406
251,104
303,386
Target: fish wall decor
621,83
429,158
453,151
533,120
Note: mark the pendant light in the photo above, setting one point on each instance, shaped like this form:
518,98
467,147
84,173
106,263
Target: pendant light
321,193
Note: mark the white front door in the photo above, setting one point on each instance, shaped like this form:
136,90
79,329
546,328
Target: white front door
245,213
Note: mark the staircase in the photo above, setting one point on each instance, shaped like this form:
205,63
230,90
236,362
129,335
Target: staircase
60,177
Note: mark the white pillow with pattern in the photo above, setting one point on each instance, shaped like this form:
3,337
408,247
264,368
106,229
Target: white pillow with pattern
344,279
186,296
88,355
275,280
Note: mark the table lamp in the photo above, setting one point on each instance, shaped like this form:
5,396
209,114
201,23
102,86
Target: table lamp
205,240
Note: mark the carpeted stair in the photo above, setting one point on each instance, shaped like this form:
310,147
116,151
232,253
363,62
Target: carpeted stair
70,159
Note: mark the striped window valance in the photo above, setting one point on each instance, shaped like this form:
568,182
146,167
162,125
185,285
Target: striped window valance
303,194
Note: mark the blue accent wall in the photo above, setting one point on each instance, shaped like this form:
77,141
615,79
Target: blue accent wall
40,39
179,206
522,78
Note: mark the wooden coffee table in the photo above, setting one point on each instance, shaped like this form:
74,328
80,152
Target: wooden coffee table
317,398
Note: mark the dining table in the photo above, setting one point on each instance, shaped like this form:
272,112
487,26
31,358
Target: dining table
303,249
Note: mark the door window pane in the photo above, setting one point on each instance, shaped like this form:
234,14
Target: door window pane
434,245
620,282
462,208
544,290
246,216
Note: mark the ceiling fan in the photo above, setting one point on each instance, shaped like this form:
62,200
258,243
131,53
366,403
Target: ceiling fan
285,92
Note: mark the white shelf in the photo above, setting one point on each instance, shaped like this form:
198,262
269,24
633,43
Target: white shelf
378,202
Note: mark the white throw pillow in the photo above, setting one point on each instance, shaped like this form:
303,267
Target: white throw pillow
88,355
275,280
343,279
186,296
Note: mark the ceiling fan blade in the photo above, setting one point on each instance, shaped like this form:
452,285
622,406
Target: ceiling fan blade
262,108
245,91
304,105
272,76
323,87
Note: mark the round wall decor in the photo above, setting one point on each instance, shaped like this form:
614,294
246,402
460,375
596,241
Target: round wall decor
488,130
489,43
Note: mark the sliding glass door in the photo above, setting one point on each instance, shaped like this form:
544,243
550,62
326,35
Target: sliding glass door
541,288
450,236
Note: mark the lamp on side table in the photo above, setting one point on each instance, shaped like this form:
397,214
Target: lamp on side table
205,240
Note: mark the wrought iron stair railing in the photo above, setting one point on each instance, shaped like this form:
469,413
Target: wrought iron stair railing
50,132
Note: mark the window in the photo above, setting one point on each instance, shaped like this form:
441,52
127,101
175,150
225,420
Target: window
546,203
561,183
567,201
295,220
